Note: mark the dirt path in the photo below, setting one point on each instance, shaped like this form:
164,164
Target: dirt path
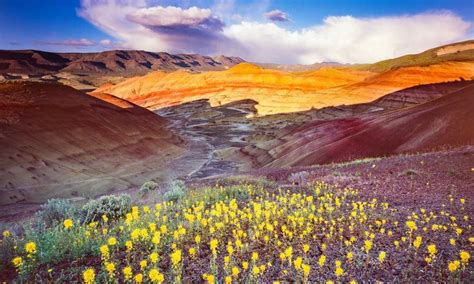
207,130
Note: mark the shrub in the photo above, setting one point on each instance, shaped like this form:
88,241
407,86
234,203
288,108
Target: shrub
176,191
54,211
114,206
299,178
148,186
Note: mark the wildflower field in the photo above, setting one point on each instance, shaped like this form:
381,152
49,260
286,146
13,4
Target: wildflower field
252,233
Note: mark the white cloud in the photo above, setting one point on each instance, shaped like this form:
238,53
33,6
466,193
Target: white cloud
83,42
276,16
348,39
171,16
345,39
106,42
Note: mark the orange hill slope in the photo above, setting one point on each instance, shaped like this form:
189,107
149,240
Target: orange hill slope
394,80
275,91
59,142
278,91
443,122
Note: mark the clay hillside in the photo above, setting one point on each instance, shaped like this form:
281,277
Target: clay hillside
59,142
444,122
277,91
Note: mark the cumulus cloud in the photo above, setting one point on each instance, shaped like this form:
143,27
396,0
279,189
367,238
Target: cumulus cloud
157,28
346,39
106,42
83,42
171,16
276,16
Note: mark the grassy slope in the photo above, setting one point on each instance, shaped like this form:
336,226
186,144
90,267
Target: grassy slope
425,58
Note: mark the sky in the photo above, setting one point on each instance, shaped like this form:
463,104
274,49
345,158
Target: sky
290,32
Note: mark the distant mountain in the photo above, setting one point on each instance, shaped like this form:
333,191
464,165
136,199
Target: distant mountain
114,62
300,67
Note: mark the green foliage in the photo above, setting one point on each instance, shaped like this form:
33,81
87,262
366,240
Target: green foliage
176,191
7,251
211,195
57,244
113,206
148,186
54,211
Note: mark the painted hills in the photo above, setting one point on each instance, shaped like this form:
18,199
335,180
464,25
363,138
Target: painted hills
277,91
87,71
395,124
59,142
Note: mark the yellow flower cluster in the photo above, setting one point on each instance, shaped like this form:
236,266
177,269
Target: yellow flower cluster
255,235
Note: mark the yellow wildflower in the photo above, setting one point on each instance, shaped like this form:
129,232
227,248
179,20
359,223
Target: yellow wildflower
112,241
465,256
367,245
176,257
382,256
306,270
156,276
138,278
129,245
255,270
30,247
339,271
17,261
350,256
68,223
417,242
453,265
322,260
432,249
297,263
143,264
104,250
305,248
154,257
6,234
127,272
411,225
192,251
88,276
235,271
213,245
110,268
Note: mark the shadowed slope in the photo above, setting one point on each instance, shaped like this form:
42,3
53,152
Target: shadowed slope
59,142
443,122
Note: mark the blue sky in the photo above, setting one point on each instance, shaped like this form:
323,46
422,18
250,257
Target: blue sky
221,26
